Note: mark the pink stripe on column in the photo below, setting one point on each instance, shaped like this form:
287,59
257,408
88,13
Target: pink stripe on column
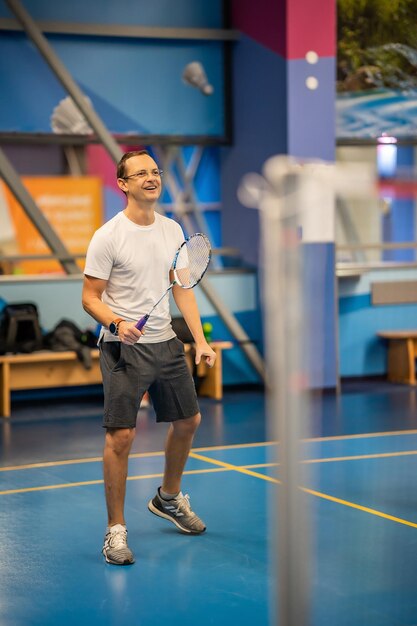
100,164
288,27
311,25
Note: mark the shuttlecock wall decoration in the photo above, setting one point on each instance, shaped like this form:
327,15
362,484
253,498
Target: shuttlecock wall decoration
67,119
195,76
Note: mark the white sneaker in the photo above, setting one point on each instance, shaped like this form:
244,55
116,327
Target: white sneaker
178,511
115,549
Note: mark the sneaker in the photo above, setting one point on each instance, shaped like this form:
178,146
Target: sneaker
115,549
178,511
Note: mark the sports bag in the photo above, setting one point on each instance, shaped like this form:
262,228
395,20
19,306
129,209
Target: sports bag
20,329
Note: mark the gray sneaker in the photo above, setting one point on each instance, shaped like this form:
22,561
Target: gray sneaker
115,549
178,511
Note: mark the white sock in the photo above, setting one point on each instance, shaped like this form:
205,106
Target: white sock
167,496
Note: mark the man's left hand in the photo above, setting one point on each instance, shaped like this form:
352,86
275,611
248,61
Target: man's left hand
204,350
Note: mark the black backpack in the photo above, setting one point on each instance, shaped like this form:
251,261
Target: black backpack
68,336
20,329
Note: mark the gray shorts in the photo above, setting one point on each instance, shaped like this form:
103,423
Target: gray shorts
160,368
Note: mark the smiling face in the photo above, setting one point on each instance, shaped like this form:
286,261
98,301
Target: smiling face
141,179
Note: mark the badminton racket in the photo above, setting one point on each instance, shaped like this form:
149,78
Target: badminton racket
189,266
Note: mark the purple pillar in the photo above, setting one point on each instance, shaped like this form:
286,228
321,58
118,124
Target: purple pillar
283,85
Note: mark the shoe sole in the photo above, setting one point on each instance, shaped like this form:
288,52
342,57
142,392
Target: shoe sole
117,562
153,509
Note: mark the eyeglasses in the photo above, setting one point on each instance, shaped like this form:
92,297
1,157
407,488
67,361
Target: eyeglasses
144,173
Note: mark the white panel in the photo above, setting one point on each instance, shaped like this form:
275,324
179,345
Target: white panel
317,217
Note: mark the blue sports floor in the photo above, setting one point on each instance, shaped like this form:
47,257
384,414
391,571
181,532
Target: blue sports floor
361,490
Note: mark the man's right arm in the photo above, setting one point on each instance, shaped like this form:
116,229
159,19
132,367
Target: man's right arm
92,303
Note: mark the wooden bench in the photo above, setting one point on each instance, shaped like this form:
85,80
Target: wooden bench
402,354
211,377
41,370
46,369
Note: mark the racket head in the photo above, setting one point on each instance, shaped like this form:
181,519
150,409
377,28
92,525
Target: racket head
191,261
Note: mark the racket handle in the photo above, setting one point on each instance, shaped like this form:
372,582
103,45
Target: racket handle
141,323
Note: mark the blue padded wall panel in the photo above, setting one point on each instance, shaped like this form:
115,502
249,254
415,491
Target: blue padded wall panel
259,132
188,13
135,86
362,353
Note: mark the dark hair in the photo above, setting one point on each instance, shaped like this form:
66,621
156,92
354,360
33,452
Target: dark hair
121,170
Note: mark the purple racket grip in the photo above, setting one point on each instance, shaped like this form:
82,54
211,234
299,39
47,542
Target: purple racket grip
141,323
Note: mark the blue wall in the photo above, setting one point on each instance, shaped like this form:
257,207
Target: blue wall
135,85
259,132
61,298
188,13
398,223
361,352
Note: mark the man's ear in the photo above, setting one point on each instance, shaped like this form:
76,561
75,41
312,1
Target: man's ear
122,184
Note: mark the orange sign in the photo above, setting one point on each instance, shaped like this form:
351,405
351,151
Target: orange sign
73,207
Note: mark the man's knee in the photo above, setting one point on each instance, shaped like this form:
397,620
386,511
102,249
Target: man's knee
187,426
119,440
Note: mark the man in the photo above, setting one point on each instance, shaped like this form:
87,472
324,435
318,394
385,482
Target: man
127,270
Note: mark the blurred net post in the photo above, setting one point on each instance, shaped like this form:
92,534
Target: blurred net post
294,198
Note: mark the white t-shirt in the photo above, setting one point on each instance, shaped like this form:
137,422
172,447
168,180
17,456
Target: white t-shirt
136,260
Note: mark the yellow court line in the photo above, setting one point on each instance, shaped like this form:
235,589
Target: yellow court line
318,494
86,483
8,492
95,459
359,507
226,467
360,457
357,457
385,433
209,449
236,468
13,468
137,455
236,445
260,465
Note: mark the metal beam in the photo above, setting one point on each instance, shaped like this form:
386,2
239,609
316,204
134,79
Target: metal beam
65,78
129,140
12,180
75,160
119,30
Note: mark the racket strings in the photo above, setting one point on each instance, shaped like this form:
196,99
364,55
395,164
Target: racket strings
192,260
